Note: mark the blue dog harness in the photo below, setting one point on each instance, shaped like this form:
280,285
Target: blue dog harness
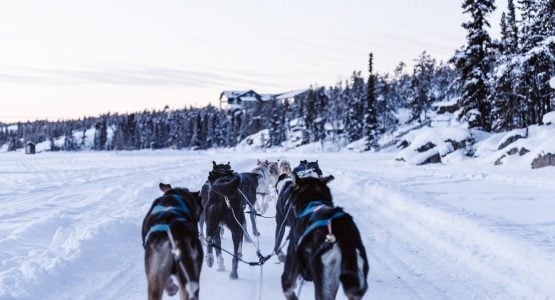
310,212
181,212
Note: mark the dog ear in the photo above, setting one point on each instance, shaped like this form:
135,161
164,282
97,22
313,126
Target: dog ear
296,179
327,179
197,197
164,187
198,201
229,163
214,163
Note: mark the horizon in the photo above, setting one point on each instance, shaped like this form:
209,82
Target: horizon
62,60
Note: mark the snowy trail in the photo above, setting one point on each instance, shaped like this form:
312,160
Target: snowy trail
70,226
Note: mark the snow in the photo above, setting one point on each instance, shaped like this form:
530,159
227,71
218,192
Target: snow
552,82
267,97
539,140
291,94
12,127
439,136
403,115
70,225
549,118
233,94
255,141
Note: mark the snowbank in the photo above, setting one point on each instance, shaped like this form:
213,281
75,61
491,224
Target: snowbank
518,152
428,143
549,118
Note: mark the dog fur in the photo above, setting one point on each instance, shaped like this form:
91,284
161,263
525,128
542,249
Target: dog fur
314,256
234,187
284,211
161,261
268,174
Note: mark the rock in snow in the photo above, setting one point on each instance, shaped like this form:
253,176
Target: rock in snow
544,160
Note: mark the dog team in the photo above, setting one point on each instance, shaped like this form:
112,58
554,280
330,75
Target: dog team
323,246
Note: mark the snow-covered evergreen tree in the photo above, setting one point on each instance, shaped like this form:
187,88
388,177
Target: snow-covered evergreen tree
386,105
101,135
370,117
473,64
70,144
277,129
537,58
355,96
423,94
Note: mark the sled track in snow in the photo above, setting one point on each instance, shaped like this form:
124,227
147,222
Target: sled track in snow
449,253
70,228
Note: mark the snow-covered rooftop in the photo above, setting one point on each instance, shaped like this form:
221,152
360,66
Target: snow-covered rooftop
267,97
291,94
233,94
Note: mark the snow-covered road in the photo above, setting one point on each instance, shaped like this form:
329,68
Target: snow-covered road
70,225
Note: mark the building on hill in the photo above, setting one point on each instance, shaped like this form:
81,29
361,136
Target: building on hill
249,99
239,99
30,148
292,96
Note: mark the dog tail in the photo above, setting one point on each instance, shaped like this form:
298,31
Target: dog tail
354,263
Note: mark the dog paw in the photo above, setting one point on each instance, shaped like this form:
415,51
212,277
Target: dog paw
256,233
221,266
233,275
281,257
171,288
210,260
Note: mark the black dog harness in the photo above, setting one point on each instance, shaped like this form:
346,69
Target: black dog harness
181,213
318,220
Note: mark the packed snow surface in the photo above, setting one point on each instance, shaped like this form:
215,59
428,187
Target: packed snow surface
70,225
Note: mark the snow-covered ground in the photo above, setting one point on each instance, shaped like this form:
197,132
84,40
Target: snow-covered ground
70,225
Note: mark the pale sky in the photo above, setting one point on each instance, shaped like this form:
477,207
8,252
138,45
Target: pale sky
67,58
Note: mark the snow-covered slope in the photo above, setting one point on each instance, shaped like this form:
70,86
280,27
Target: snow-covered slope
70,225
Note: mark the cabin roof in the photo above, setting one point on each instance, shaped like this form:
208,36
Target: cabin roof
291,94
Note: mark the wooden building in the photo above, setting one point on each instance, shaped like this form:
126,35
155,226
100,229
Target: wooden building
249,99
30,148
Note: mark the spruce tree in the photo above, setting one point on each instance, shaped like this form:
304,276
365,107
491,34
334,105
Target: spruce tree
422,90
100,135
70,144
537,58
508,109
510,37
355,96
473,64
370,119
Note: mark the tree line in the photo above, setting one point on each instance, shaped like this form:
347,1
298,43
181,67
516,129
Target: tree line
496,85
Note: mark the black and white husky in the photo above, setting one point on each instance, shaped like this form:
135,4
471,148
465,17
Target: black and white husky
284,210
172,246
325,245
